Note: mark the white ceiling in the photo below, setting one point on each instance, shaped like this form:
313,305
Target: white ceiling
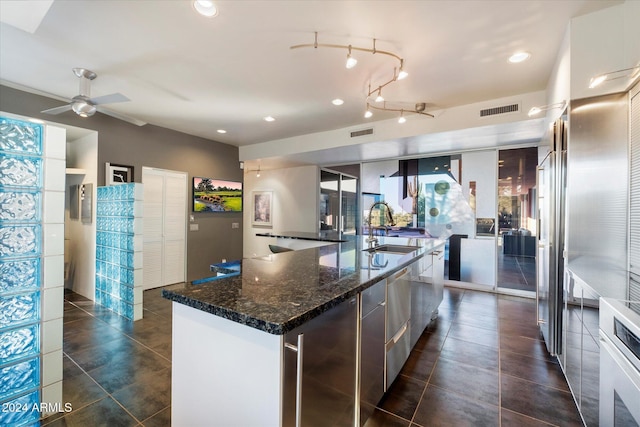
196,75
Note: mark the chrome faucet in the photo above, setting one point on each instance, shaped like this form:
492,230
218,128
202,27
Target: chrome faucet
372,240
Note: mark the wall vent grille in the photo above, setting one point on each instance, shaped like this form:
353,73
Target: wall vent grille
513,108
362,132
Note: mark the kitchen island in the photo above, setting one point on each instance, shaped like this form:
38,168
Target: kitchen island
238,342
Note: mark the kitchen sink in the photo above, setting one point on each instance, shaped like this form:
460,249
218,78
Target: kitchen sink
394,249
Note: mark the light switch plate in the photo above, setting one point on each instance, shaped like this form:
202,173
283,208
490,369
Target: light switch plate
193,227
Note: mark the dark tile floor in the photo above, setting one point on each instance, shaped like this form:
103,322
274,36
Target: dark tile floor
516,272
480,364
116,372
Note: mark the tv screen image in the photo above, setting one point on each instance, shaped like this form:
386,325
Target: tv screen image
216,195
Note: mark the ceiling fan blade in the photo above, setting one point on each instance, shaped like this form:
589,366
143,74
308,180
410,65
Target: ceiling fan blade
123,117
57,110
109,99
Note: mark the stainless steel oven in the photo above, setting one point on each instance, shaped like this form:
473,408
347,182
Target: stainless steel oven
619,363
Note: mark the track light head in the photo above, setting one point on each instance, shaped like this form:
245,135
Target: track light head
402,74
351,61
368,114
379,98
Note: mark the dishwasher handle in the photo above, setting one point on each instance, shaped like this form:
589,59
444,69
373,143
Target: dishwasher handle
393,341
299,358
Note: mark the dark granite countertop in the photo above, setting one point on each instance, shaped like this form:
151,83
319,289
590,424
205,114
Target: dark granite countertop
279,292
322,236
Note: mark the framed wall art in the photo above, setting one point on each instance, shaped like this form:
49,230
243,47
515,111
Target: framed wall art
216,195
118,174
262,213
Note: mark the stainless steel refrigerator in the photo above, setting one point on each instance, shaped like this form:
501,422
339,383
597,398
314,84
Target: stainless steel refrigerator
551,184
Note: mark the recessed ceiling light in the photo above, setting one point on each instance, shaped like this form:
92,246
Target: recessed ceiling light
205,8
222,131
519,57
269,119
337,101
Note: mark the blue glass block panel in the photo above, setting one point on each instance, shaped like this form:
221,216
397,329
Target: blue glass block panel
19,206
100,238
20,136
18,378
126,293
18,343
102,193
128,311
20,240
20,171
19,309
126,259
24,410
125,275
19,275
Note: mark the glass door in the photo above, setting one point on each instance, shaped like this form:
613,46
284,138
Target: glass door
329,200
517,226
338,202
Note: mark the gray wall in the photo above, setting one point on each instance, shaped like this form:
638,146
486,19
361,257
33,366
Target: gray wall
122,143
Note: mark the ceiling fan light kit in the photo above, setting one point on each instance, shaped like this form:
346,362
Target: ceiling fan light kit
83,107
399,73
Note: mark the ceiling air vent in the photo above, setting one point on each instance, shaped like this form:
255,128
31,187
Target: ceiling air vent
362,132
513,108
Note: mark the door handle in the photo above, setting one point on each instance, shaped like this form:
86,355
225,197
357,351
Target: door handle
299,354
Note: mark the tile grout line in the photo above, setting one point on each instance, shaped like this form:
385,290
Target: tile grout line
435,364
139,422
118,330
108,395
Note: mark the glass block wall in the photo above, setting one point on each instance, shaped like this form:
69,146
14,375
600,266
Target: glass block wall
31,258
119,249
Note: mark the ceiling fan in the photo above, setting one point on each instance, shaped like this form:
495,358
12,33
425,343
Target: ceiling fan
85,106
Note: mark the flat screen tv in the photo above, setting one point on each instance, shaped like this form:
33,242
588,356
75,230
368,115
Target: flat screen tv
216,195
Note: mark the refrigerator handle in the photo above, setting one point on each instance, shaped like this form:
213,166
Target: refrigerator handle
539,170
298,350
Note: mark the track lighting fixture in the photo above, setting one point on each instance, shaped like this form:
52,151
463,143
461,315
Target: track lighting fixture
534,111
613,75
418,109
349,48
399,73
351,61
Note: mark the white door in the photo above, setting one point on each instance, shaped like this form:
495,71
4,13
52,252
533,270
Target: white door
165,219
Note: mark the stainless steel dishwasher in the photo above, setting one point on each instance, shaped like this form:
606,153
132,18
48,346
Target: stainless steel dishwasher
372,350
398,334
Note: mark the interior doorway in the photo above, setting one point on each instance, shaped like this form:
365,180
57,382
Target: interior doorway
517,227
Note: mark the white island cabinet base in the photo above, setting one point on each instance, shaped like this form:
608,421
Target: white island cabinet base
224,373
